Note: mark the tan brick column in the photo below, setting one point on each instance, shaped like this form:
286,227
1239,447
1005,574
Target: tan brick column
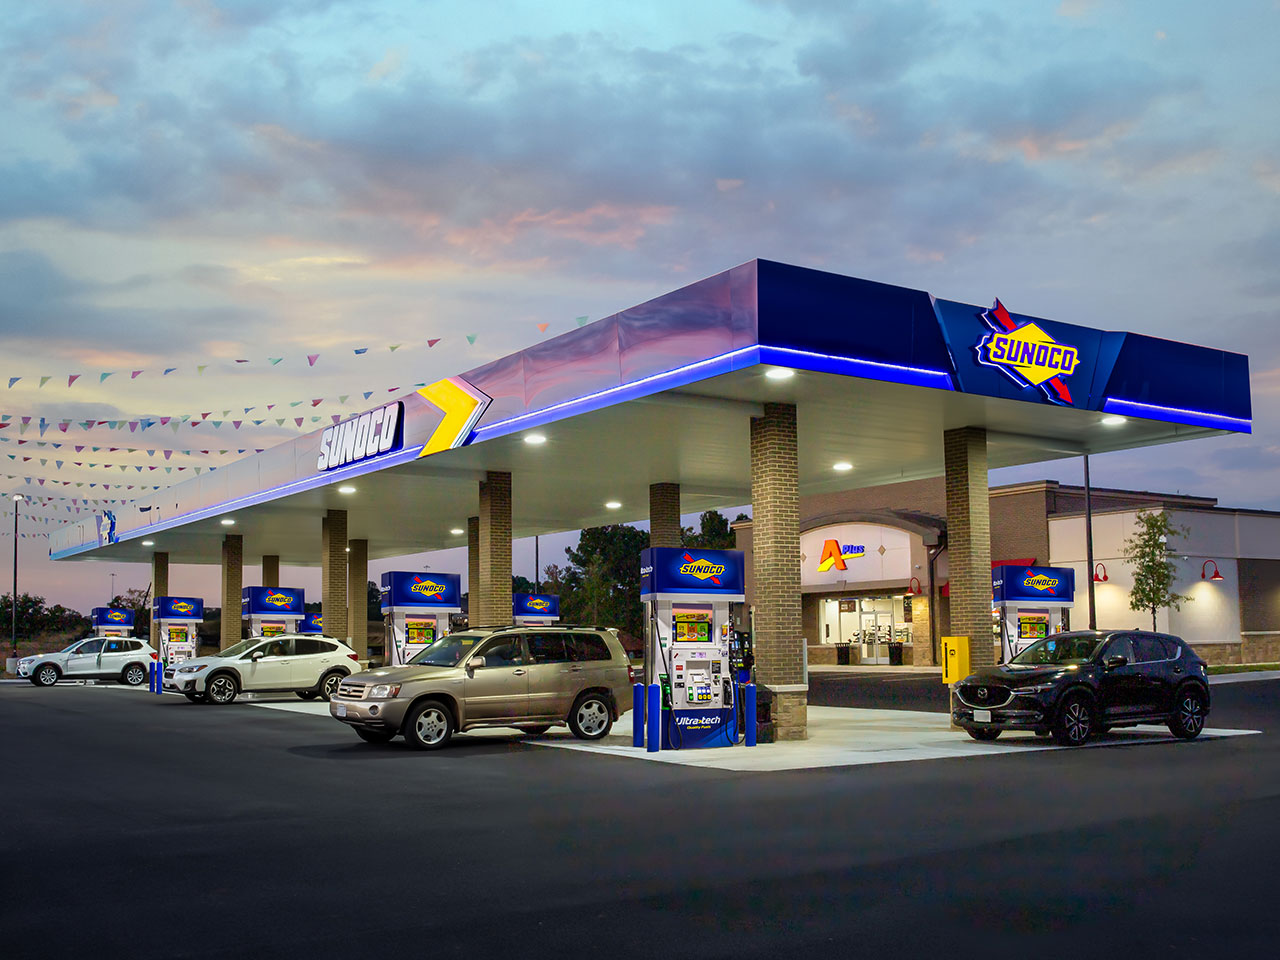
969,540
664,515
232,584
358,596
333,574
159,588
775,528
494,551
271,571
473,570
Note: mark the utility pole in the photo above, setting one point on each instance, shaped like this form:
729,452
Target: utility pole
13,597
1088,543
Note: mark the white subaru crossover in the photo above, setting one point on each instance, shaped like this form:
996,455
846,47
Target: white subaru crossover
308,665
97,658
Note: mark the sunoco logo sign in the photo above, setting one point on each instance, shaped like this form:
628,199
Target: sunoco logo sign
426,587
702,569
278,599
1027,355
1041,582
537,604
368,435
182,606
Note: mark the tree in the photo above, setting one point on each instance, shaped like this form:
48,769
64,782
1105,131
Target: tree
602,583
521,584
374,603
713,532
139,601
1153,570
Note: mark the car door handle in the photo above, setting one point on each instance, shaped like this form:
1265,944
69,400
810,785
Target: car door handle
1177,669
517,673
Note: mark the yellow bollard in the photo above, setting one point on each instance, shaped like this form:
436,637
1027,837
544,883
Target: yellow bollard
955,667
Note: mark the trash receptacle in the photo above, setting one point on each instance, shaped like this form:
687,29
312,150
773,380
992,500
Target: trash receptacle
842,655
895,653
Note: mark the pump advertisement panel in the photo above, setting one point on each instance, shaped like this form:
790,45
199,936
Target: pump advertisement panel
406,590
177,608
535,606
272,601
685,570
111,617
1033,586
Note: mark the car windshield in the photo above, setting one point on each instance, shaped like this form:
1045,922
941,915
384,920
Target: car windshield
71,646
447,651
1061,648
244,646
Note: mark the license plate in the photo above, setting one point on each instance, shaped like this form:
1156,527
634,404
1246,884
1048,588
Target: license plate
982,716
340,709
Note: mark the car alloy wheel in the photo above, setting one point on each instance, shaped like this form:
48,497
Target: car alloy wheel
432,726
47,675
135,675
590,719
329,685
1077,721
1188,719
221,690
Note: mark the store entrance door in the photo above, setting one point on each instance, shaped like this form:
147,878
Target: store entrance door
875,631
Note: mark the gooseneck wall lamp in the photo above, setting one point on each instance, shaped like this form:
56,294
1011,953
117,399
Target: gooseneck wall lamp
1100,573
1215,575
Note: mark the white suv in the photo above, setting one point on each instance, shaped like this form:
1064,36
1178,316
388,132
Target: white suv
306,664
97,658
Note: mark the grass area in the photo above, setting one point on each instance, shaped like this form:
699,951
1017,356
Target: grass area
1242,667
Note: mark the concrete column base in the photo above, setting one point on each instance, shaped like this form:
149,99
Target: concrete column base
788,712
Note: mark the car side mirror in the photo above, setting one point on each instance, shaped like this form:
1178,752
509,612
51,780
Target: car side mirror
1116,660
257,655
475,662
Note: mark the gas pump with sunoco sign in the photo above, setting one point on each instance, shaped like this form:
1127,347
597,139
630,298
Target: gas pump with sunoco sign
313,622
272,611
111,621
416,607
177,619
687,594
1029,603
533,609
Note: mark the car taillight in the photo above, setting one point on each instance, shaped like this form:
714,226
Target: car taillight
354,656
155,656
631,673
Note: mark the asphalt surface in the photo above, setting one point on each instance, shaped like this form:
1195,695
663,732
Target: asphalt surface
149,827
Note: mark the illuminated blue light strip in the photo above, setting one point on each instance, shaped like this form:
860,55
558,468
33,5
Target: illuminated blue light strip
1193,418
855,367
271,493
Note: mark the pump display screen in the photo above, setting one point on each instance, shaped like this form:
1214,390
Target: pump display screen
420,631
178,634
272,628
690,625
1033,628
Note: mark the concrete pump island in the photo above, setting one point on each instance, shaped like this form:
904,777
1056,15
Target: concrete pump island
764,384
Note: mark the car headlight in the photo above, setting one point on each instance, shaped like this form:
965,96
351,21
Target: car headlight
26,661
1036,688
384,691
196,669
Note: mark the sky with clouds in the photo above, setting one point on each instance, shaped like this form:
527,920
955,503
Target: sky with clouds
194,183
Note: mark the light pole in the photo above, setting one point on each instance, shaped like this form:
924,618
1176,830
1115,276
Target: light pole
112,598
13,597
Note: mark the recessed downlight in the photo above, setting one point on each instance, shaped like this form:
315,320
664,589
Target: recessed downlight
148,543
844,466
457,531
779,373
346,488
1114,421
535,439
228,522
612,504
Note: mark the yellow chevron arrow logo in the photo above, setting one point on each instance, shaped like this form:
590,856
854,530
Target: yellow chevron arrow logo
461,404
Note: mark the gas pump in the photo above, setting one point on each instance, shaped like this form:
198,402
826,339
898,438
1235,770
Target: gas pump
687,594
272,611
111,621
1029,603
417,607
176,620
534,608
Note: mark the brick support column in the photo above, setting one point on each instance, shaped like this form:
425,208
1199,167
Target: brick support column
495,550
969,540
333,574
358,596
664,515
159,588
473,569
775,506
232,584
271,571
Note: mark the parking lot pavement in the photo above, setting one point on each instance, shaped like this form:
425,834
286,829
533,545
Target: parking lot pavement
143,826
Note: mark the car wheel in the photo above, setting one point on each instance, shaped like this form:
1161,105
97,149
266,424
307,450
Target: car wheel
986,736
590,718
537,729
429,725
374,736
306,694
329,685
134,675
46,675
1188,714
221,689
194,697
1074,724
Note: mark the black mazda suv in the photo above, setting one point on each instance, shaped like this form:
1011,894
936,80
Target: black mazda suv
1073,686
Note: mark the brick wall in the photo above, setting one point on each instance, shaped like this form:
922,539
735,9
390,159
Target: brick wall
473,568
333,573
775,504
495,550
358,596
664,515
271,571
969,538
232,585
159,588
1020,525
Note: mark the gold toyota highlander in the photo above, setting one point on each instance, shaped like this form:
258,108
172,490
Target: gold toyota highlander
527,677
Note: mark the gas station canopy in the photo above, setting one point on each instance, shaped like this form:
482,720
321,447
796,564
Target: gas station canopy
663,392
